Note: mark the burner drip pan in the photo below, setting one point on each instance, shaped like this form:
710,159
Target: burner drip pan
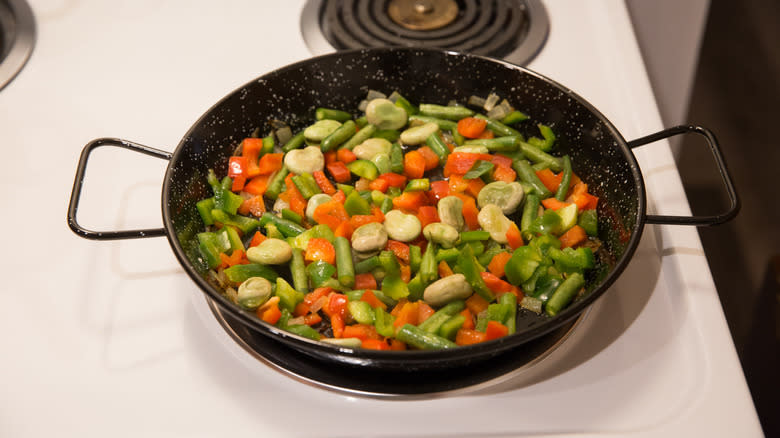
514,30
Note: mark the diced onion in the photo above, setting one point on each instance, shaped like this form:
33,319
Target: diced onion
363,105
532,304
317,305
476,101
373,94
491,101
296,320
284,134
498,112
393,96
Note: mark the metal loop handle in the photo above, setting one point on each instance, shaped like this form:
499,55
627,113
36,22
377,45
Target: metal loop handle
712,142
75,195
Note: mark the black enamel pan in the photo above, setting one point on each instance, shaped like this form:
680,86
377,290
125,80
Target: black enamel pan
601,157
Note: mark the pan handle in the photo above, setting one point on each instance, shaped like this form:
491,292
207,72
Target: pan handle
712,142
75,195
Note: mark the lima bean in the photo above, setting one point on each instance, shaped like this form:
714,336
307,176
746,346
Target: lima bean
270,252
401,226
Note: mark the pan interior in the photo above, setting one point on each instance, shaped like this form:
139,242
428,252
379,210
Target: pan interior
599,154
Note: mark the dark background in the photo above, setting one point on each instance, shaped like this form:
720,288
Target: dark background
736,93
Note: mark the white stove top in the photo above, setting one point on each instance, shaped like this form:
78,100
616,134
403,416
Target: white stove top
112,338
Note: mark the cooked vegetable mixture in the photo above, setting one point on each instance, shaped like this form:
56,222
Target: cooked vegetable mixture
409,227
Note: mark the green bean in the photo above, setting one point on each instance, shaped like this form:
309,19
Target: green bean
276,183
498,127
306,184
332,114
291,216
432,324
418,185
387,134
345,268
445,112
367,265
451,326
396,158
401,102
537,155
361,121
530,212
507,143
295,142
268,145
420,339
304,330
428,271
471,236
449,255
288,228
298,271
528,176
444,125
564,293
514,117
415,257
510,321
240,273
563,187
479,168
362,135
339,136
438,146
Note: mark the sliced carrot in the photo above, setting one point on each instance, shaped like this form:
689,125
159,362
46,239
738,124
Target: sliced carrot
394,179
505,174
257,239
471,127
359,220
365,281
440,189
495,284
270,313
324,184
257,185
513,236
337,325
495,330
406,273
313,296
424,311
254,205
301,309
400,249
498,262
431,159
457,183
375,344
408,314
476,304
573,236
370,298
487,134
339,171
469,337
410,201
470,212
344,229
339,196
312,318
444,269
414,165
469,322
554,204
427,214
397,345
320,249
331,213
250,149
459,163
549,179
360,331
379,184
270,163
474,186
346,156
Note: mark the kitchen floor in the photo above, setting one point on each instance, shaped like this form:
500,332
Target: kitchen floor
737,95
